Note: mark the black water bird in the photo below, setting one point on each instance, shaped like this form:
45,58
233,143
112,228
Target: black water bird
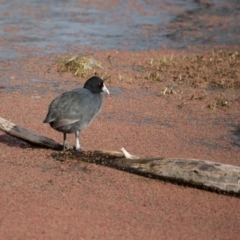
73,111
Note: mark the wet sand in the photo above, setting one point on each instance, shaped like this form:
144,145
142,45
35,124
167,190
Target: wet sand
46,199
163,103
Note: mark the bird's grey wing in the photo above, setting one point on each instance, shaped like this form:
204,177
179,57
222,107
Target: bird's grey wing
59,108
71,107
64,122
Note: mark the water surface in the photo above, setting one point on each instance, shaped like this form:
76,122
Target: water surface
61,26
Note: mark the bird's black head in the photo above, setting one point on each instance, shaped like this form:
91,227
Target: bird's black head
95,85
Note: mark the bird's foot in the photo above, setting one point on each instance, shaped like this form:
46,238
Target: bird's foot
77,149
67,147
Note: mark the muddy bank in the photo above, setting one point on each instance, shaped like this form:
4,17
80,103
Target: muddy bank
164,103
154,110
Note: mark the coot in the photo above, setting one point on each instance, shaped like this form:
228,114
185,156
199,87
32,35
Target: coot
73,111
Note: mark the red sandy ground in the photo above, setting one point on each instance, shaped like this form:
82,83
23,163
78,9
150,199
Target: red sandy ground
42,198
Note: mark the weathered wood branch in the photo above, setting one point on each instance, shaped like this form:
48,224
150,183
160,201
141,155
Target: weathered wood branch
212,176
27,136
203,174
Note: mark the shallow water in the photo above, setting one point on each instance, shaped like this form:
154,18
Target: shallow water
61,26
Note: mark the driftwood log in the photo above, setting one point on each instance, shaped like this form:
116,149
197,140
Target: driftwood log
213,176
27,136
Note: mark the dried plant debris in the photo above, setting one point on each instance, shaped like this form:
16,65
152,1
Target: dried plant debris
220,68
77,65
193,97
155,76
215,72
168,91
218,103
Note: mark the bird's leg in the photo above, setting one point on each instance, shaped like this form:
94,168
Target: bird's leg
78,147
64,141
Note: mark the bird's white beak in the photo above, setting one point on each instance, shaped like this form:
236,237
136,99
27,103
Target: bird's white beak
104,89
